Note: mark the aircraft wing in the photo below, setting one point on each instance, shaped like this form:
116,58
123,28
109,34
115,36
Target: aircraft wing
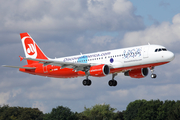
19,67
75,66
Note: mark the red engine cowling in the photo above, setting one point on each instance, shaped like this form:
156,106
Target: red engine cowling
99,70
137,73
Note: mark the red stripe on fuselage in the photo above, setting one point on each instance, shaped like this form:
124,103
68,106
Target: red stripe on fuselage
55,71
136,67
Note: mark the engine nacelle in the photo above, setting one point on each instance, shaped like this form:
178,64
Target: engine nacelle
137,73
99,70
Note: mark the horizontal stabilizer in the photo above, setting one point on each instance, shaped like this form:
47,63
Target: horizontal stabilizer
19,67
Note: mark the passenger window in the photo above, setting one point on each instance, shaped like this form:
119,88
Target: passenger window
156,50
160,50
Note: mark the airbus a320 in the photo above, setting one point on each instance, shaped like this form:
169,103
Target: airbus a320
134,62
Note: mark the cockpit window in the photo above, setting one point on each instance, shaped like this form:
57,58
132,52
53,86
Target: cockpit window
164,49
160,49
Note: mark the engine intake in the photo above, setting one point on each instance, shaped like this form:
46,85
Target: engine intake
137,73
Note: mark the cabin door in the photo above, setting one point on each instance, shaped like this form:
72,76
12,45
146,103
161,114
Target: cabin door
145,51
45,69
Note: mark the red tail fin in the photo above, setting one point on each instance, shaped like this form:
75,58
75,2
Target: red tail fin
31,49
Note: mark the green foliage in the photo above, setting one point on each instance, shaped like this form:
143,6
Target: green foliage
19,113
153,110
99,112
81,116
137,110
173,113
164,110
119,115
149,110
132,109
60,113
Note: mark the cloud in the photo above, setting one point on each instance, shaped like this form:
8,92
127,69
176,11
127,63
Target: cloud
164,4
102,40
68,15
39,105
4,96
166,34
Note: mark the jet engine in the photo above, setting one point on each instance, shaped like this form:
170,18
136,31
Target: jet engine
99,70
137,73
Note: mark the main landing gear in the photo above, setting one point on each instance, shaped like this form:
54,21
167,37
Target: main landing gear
86,82
152,70
113,82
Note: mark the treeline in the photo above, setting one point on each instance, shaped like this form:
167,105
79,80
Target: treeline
136,110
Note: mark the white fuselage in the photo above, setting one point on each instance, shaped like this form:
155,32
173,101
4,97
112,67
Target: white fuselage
132,56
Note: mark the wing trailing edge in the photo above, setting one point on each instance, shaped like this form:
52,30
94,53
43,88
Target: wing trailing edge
30,68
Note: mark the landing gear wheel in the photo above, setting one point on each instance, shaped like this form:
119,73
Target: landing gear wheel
115,82
89,82
86,82
153,75
112,83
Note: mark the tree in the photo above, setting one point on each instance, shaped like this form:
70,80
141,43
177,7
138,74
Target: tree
81,116
99,112
132,109
119,115
174,111
165,109
149,110
30,114
60,113
19,113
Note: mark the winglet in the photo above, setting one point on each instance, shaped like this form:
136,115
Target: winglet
21,58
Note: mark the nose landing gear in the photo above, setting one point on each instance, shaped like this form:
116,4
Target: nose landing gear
152,71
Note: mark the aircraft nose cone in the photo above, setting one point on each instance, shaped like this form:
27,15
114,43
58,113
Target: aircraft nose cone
171,56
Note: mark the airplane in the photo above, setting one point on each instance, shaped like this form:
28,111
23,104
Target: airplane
132,61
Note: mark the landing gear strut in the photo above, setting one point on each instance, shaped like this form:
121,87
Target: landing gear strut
152,70
113,82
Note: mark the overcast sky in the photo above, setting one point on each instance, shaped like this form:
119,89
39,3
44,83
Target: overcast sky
70,27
